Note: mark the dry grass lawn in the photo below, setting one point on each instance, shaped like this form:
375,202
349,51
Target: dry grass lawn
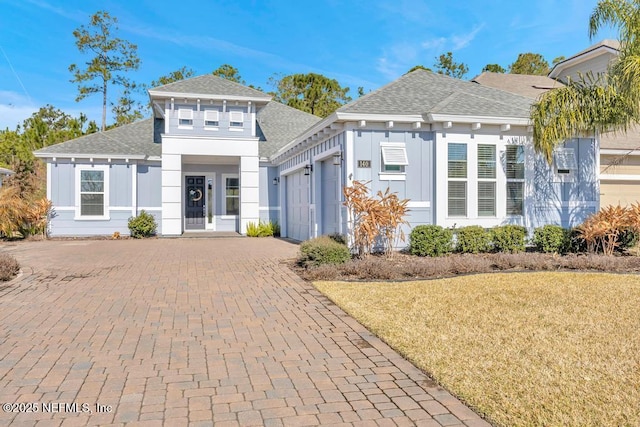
520,348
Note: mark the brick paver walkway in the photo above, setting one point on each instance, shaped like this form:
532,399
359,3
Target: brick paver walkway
194,332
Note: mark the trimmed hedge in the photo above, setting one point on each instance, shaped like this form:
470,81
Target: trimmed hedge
552,239
430,240
323,250
508,238
472,240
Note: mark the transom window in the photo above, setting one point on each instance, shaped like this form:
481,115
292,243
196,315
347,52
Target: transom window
232,195
515,179
457,167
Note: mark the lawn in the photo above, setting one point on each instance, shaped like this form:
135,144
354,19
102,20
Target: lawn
549,348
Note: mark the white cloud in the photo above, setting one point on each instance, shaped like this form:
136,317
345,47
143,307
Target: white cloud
399,58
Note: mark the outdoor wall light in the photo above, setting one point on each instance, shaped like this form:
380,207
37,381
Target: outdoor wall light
276,180
337,158
308,169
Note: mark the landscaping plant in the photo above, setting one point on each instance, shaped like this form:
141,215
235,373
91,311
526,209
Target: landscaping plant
143,225
374,219
9,267
472,240
323,250
430,240
263,229
552,239
508,238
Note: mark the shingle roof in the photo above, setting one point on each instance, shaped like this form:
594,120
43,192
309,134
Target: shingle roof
422,92
519,84
209,84
133,139
279,124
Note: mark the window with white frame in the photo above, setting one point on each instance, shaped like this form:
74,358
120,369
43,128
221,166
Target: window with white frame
486,180
394,157
236,119
232,195
457,183
211,118
185,117
92,192
515,179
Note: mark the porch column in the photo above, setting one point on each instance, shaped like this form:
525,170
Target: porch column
249,192
172,195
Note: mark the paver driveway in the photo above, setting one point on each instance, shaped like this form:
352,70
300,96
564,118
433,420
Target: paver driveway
194,332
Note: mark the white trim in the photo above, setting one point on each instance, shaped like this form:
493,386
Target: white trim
73,156
269,208
181,95
621,177
387,176
418,204
106,177
620,151
227,216
555,205
579,58
382,118
49,180
64,208
293,169
134,189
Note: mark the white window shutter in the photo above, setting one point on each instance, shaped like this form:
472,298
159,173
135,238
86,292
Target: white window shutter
565,158
395,155
185,114
211,115
236,116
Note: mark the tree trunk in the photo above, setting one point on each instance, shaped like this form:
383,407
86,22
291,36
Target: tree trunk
104,105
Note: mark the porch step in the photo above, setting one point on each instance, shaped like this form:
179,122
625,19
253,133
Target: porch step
210,234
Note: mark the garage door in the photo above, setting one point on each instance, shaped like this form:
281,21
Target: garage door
298,206
330,198
619,192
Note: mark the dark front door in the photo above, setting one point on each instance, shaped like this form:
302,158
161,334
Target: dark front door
195,197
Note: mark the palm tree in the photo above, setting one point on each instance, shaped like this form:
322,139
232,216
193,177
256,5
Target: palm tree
606,102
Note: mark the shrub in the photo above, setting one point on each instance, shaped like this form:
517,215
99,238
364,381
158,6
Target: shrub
9,267
430,240
472,240
323,250
262,229
143,225
552,239
508,238
340,238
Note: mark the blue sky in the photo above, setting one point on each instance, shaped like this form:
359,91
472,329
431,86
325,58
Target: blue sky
364,43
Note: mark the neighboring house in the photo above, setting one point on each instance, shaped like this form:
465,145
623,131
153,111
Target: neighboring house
4,173
217,155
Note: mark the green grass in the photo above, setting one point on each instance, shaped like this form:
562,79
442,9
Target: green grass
521,348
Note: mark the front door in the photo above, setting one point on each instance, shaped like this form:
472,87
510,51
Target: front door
195,209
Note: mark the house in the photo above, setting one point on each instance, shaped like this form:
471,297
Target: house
619,170
217,155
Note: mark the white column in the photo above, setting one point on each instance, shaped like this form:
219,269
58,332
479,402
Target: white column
172,195
134,188
249,192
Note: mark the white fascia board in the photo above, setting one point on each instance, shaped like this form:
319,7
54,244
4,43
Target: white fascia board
309,132
485,120
154,158
399,118
101,156
620,152
585,56
614,177
163,95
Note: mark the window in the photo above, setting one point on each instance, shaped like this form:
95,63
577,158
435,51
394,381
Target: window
457,198
486,198
232,195
92,192
457,184
394,157
457,161
486,180
211,118
486,161
236,119
565,159
185,117
515,179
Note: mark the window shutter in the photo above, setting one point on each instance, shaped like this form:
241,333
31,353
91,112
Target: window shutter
211,115
185,114
236,116
395,155
565,158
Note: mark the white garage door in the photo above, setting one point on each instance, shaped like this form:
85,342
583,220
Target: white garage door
298,206
330,198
